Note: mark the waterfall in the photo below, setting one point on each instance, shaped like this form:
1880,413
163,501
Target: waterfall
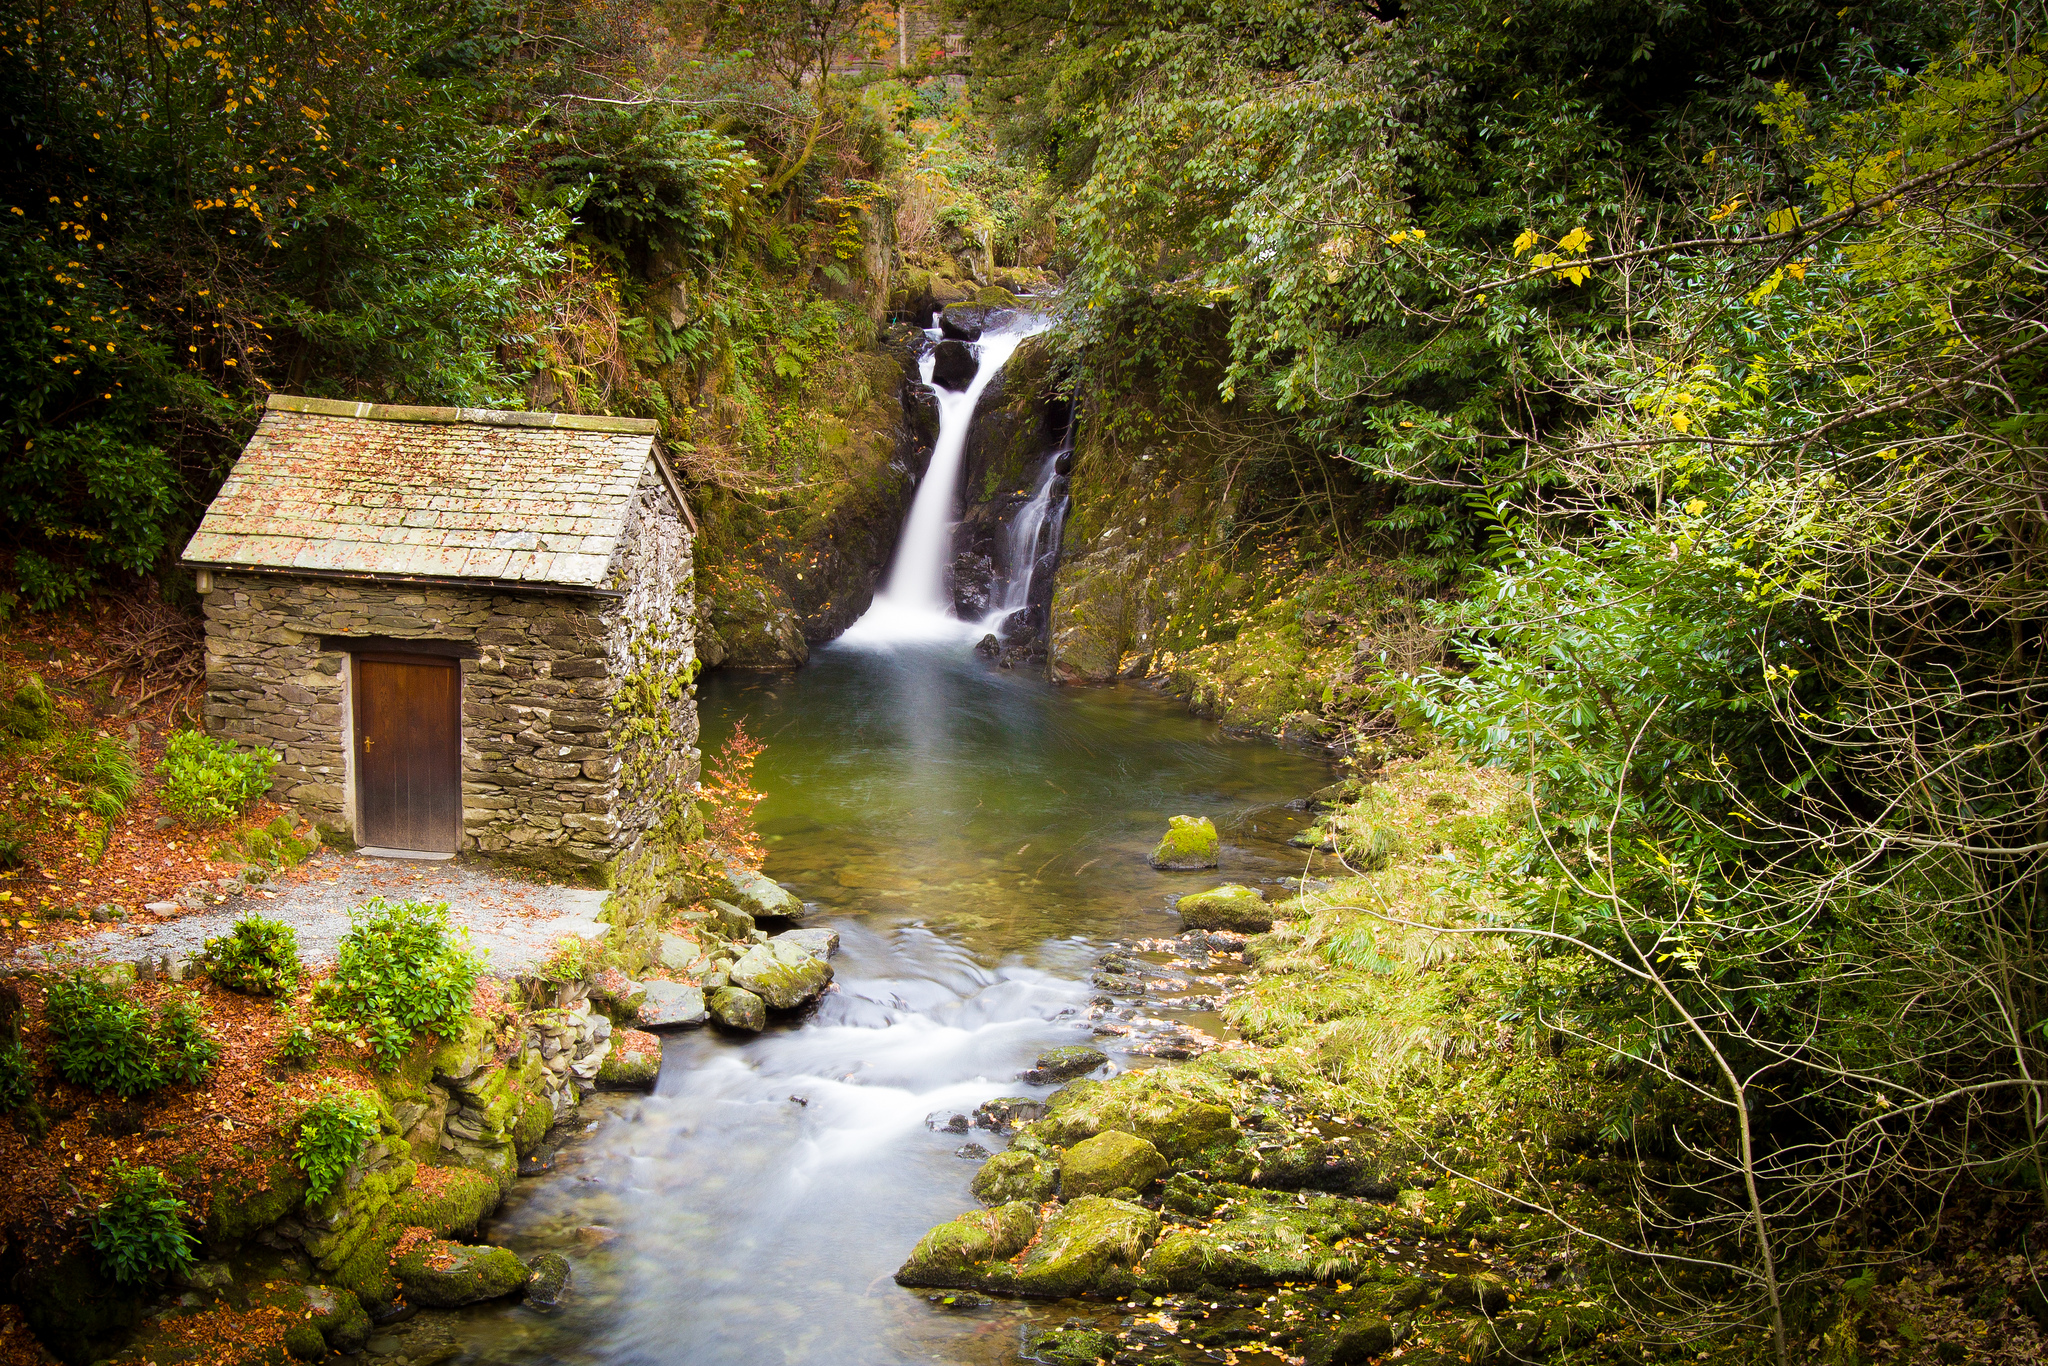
1021,545
913,604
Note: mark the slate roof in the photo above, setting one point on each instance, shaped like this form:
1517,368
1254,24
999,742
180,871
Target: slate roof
375,490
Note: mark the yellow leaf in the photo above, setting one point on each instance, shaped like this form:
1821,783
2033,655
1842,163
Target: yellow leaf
1784,220
1526,241
1797,270
1695,506
1681,421
1726,211
1575,241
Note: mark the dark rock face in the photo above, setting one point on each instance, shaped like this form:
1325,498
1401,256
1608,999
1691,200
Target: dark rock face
953,365
973,575
1064,1064
961,322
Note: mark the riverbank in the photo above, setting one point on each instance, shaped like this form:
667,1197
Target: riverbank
1405,1158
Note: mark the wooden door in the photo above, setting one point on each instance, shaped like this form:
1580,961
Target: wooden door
408,719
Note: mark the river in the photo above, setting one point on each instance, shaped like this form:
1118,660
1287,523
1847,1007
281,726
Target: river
978,839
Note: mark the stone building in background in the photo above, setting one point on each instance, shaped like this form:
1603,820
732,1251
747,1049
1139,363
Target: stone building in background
463,631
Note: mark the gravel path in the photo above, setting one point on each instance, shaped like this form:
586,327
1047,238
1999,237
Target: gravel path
516,922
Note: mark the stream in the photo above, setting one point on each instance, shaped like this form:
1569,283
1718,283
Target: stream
977,839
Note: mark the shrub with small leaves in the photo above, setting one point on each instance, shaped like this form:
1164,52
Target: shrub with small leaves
300,1047
104,1039
17,1076
333,1132
260,958
399,970
210,783
140,1233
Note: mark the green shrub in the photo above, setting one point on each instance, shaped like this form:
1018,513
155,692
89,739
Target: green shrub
333,1132
210,783
299,1048
17,1076
260,958
140,1233
103,1039
400,970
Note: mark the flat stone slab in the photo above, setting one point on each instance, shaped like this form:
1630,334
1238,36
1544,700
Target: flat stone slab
670,1005
755,894
820,944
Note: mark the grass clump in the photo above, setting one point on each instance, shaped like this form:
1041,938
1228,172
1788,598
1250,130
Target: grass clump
334,1131
210,783
141,1232
400,970
260,958
103,1039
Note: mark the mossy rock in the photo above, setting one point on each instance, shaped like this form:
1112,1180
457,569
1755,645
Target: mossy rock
783,974
1179,1126
1015,1175
547,1280
243,1207
1075,1347
1190,844
31,714
952,1256
1064,1064
995,296
1109,1162
1233,906
758,895
633,1064
1486,1293
334,1314
1092,1244
445,1275
536,1116
1356,1340
444,1199
736,1008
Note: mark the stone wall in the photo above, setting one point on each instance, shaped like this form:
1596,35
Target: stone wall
578,711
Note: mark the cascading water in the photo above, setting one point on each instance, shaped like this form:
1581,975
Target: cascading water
1025,544
913,604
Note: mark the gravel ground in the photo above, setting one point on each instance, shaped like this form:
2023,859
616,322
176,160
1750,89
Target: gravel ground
515,921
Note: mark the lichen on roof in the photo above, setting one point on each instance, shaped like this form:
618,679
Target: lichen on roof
379,490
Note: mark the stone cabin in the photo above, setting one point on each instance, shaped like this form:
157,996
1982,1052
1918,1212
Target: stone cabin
463,631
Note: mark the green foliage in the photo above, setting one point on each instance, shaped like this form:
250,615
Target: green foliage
260,958
17,1076
30,713
333,1132
209,782
300,1048
398,971
142,1231
103,1039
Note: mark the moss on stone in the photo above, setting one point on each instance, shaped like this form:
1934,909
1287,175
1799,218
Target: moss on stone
1142,1103
1190,843
1075,1347
1110,1161
1233,906
243,1205
953,1256
1092,1244
445,1275
444,1199
782,974
1015,1175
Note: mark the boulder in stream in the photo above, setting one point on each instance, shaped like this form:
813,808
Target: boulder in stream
1110,1161
821,943
782,973
444,1275
755,894
669,1005
737,1008
953,366
1015,1175
547,1280
633,1063
971,1252
1233,906
1179,1125
1092,1244
1075,1347
1190,844
1064,1064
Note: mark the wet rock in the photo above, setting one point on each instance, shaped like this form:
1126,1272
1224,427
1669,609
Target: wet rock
547,1280
670,1005
972,1152
737,1008
953,366
1355,1341
821,944
960,322
1488,1294
1109,1162
680,953
1064,1064
1075,1347
988,647
755,894
951,1255
633,1063
1178,1125
1257,1244
783,973
444,1275
1015,1175
941,1121
1233,906
726,920
1005,1113
1190,843
1092,1244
